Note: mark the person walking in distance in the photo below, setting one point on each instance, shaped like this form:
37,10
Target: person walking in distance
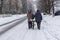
38,18
30,17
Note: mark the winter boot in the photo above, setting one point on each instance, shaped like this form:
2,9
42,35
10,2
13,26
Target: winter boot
39,28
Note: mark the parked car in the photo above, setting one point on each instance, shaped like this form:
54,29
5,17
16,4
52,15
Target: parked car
57,13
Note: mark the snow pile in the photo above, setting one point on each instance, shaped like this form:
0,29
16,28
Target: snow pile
52,26
8,19
5,15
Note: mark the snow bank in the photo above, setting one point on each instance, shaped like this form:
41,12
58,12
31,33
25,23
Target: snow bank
8,19
52,26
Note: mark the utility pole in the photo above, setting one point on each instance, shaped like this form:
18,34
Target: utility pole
1,4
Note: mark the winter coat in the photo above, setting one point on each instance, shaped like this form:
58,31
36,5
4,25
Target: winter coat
30,16
38,17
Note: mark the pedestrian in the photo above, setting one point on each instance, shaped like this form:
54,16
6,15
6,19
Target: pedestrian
30,17
38,18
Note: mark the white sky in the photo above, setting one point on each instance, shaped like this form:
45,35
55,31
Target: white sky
34,0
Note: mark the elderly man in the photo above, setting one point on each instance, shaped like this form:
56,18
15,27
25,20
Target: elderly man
38,18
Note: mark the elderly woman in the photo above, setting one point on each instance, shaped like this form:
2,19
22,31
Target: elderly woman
30,17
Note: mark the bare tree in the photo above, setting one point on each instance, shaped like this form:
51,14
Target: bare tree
16,3
10,5
46,5
24,6
1,4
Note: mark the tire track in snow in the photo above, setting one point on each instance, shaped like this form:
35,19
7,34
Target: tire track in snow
11,25
23,31
17,33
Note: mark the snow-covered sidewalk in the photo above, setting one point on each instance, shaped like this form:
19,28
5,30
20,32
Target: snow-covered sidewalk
52,27
21,32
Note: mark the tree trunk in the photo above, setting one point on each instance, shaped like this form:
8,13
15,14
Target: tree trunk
1,4
10,6
53,7
17,5
24,6
0,10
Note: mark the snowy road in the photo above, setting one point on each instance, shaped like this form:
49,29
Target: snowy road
21,32
50,30
9,22
6,27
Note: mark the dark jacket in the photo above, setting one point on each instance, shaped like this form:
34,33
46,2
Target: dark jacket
38,16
